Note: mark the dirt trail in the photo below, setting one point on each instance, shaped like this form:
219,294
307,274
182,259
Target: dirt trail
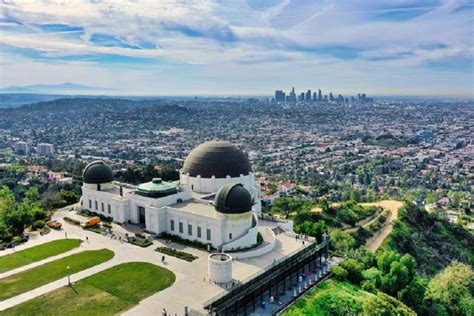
374,242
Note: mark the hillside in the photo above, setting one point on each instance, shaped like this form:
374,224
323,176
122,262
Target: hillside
343,298
433,242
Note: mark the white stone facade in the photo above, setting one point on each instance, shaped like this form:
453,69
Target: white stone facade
213,184
182,214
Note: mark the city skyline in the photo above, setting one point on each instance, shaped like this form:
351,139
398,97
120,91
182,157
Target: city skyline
249,47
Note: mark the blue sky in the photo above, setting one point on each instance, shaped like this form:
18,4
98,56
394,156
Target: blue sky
241,47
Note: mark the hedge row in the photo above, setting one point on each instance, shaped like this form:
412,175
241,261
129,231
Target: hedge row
176,253
72,221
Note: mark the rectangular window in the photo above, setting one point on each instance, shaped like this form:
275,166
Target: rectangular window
109,208
102,207
190,229
90,204
172,225
199,231
208,234
96,206
230,235
180,227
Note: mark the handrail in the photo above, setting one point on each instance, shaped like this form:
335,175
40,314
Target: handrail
245,282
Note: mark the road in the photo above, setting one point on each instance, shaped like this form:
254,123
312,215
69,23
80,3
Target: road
374,242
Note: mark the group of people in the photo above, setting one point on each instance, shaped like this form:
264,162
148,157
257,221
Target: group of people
303,238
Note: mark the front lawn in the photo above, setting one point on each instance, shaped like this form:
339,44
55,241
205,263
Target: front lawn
109,292
36,253
51,271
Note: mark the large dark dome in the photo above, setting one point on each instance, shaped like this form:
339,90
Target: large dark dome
233,198
98,172
217,158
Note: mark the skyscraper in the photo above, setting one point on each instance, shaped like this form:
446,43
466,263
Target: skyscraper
279,96
308,96
292,95
320,95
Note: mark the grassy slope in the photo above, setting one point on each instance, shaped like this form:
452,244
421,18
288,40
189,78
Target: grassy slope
106,293
37,253
51,271
338,298
433,243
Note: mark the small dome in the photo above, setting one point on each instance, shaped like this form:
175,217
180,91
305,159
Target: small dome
217,158
98,172
157,188
233,198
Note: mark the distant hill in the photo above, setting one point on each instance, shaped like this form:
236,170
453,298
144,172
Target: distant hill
61,88
9,100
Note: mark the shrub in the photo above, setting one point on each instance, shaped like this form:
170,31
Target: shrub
38,224
140,242
176,253
354,270
107,225
190,243
72,221
103,218
45,230
17,240
96,229
339,273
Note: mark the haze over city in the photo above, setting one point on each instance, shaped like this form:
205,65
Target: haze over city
240,47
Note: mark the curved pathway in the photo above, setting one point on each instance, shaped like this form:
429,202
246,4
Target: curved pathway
374,242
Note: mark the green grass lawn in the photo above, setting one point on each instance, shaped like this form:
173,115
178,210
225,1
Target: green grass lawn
36,253
109,292
51,271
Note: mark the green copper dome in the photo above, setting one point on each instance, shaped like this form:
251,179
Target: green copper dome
157,188
233,198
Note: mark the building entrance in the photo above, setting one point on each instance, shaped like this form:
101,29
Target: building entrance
141,215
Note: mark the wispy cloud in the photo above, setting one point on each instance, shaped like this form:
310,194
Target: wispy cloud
222,41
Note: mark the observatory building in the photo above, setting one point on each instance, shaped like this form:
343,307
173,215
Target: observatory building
216,201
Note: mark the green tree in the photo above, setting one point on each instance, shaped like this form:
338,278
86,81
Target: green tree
17,219
342,241
69,197
354,270
32,194
385,259
355,195
453,289
384,305
7,201
339,273
431,197
413,295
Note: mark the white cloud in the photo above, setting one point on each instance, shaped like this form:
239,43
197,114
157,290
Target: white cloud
222,39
